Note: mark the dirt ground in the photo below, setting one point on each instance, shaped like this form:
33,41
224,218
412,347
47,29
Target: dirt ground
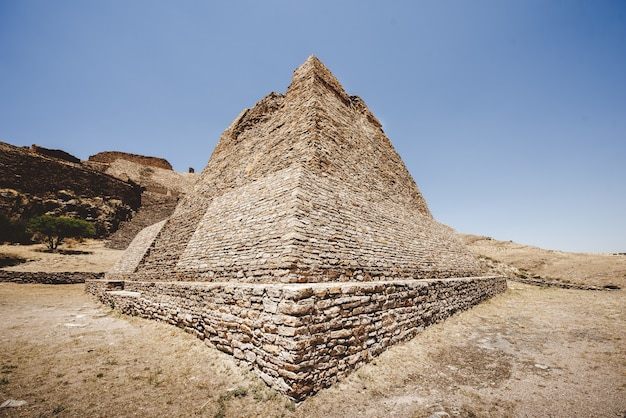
92,256
552,265
529,352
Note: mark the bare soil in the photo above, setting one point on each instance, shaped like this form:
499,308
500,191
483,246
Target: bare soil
550,265
529,352
90,255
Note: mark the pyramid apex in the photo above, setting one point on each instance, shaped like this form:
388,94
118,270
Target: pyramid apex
312,57
313,60
314,71
311,67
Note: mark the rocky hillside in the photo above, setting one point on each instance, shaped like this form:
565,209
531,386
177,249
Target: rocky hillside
35,181
150,177
108,189
162,187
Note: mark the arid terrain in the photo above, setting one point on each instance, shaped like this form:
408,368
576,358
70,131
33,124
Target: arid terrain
532,351
549,266
90,255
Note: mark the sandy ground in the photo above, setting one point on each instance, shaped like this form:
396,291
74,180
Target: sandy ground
530,352
95,257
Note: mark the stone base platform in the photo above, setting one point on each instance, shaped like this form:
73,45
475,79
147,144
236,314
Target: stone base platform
299,338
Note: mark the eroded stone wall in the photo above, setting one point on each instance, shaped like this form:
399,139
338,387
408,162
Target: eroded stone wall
65,277
154,208
293,226
111,156
299,338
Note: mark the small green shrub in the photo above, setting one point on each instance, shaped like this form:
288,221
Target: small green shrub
52,230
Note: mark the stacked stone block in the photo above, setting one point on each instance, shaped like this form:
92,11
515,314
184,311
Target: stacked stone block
154,208
300,338
42,277
305,248
305,187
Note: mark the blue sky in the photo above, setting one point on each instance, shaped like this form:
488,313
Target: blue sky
510,115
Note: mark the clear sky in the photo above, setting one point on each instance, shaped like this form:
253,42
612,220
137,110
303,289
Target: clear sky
510,115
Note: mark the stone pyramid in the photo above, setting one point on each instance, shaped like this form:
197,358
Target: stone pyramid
304,187
305,249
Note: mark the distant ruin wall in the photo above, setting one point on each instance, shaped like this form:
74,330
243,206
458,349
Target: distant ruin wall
110,156
69,277
299,338
544,283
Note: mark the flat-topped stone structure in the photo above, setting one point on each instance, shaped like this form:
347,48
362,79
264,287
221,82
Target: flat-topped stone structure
305,248
304,187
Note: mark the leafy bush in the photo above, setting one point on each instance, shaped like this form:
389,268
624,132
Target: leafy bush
53,230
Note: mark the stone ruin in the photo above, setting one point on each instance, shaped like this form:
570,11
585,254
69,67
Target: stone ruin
108,157
305,249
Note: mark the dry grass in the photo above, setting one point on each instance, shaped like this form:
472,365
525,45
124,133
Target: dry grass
65,354
92,257
551,265
528,352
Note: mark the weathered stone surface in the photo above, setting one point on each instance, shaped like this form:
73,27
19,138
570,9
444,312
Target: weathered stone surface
305,249
111,156
48,278
312,347
161,186
305,187
155,207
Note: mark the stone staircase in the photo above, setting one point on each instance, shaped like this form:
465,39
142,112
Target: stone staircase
154,208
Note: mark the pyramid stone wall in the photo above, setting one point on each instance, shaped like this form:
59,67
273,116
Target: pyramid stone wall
127,264
316,234
155,207
305,187
305,248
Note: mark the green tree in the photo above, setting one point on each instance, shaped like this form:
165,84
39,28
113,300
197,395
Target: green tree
53,230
